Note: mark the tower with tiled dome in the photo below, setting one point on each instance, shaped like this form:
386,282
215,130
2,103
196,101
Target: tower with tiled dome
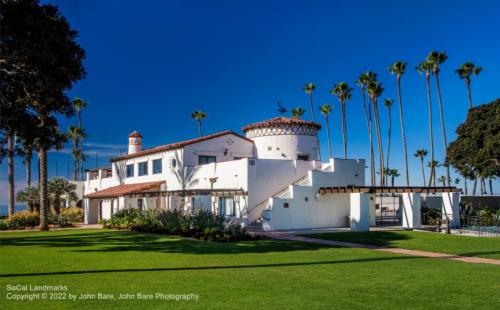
134,142
285,138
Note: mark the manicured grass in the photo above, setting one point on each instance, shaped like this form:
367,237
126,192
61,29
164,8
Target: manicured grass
248,275
425,241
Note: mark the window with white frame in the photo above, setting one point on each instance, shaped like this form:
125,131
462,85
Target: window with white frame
130,171
143,168
204,159
157,166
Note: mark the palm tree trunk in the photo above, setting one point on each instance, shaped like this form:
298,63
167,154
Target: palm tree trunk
403,134
491,186
392,181
441,113
432,177
328,137
27,160
481,184
372,152
465,186
469,96
474,186
379,143
423,169
344,131
369,127
10,154
312,106
44,202
57,203
199,129
389,143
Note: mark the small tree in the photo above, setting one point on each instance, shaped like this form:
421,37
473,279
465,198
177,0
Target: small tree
198,117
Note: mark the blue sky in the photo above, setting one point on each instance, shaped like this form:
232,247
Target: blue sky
149,65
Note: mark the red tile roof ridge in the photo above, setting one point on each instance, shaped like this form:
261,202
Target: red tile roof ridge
124,189
281,120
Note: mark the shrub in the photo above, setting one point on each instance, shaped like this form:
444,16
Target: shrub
73,214
199,224
4,225
23,219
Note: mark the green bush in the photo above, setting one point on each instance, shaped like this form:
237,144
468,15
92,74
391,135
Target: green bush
73,214
4,225
23,220
199,224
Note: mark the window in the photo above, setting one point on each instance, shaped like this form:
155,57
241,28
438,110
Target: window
227,206
285,205
130,171
173,163
139,203
143,168
303,157
203,159
157,166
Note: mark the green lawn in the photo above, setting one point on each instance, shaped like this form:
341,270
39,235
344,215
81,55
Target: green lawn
417,240
248,275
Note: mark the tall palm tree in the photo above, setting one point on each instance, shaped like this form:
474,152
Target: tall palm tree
394,174
343,93
309,88
436,59
425,68
297,112
433,165
464,72
388,104
76,134
375,90
57,187
442,180
421,154
79,105
325,111
363,82
398,69
198,117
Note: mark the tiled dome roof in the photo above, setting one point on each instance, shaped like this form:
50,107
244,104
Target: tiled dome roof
280,121
135,134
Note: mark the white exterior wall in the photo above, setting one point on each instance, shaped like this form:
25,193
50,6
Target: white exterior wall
236,147
411,210
286,146
318,212
359,211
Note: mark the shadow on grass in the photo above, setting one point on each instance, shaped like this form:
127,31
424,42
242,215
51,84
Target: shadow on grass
472,254
360,260
122,241
379,238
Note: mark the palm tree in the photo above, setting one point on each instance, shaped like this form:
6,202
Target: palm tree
436,59
388,104
297,112
344,93
325,111
394,174
433,165
442,180
398,69
76,134
57,187
464,72
421,154
363,82
30,196
309,88
79,105
425,68
198,117
375,90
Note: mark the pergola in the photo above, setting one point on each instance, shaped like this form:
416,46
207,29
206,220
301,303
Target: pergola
362,201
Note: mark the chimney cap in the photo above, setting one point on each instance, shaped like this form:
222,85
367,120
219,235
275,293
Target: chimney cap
135,134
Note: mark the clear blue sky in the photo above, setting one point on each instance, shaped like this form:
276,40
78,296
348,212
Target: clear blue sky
151,63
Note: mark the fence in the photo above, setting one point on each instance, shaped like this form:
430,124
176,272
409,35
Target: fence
480,225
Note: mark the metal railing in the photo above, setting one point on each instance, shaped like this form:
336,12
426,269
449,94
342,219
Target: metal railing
485,226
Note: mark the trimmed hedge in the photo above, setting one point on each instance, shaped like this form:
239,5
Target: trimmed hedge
199,224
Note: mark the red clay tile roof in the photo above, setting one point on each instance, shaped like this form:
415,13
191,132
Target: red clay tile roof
124,189
177,145
280,120
135,134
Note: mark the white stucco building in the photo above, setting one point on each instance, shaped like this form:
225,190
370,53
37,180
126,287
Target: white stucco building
271,176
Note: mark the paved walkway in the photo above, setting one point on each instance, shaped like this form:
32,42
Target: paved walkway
465,259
